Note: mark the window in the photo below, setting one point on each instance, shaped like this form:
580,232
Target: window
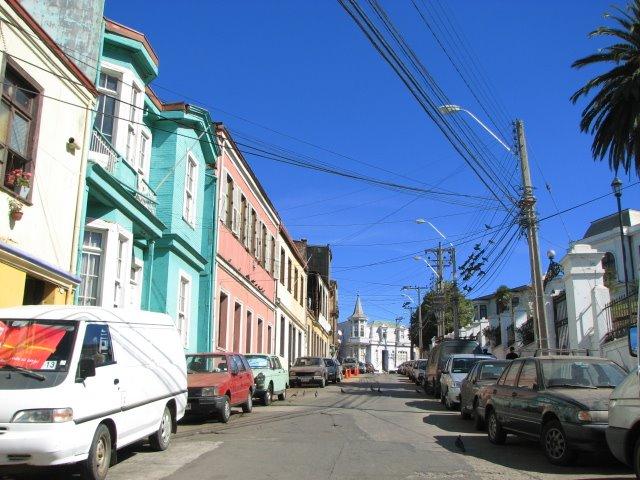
282,266
249,328
265,248
260,328
276,363
237,328
142,154
299,344
135,95
131,145
91,263
282,336
184,308
269,339
105,115
289,275
18,114
118,289
254,233
509,378
301,289
189,213
483,311
528,376
272,258
243,220
134,283
609,266
295,283
97,345
259,239
222,320
228,202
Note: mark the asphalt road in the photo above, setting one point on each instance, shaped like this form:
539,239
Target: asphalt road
348,431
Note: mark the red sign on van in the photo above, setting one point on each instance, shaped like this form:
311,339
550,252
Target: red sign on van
28,345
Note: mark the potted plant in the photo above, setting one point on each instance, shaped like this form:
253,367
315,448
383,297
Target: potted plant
15,210
21,181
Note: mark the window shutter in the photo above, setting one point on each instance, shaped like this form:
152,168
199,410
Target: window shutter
235,220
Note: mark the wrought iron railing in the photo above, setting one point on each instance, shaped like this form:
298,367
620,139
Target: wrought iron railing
621,313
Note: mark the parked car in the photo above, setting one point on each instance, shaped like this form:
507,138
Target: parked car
437,358
623,432
349,363
334,370
270,377
362,368
411,370
370,368
561,401
454,372
307,371
74,376
420,371
484,372
402,368
217,382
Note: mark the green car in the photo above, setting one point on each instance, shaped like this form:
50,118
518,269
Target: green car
271,377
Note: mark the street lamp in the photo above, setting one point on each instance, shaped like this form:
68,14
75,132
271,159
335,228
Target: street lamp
449,109
616,185
418,258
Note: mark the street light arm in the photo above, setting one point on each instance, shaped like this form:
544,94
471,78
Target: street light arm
487,129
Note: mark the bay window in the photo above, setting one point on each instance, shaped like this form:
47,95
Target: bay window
105,116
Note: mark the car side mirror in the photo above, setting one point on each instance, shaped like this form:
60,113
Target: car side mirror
86,369
633,341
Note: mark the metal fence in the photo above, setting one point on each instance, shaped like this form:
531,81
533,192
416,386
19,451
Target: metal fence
621,314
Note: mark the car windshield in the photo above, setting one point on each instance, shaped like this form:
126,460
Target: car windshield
206,363
328,362
572,373
491,371
463,365
36,344
257,361
306,362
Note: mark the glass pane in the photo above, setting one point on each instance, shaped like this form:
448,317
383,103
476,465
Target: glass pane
19,134
108,82
24,99
105,115
4,121
92,239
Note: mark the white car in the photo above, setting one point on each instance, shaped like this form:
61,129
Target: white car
455,370
77,383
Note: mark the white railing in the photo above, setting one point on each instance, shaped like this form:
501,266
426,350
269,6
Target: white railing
146,195
104,153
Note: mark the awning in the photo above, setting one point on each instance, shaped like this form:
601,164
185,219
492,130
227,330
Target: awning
36,267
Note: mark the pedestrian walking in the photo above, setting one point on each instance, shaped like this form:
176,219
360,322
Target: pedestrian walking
512,355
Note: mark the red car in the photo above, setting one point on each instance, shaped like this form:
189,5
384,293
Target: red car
217,382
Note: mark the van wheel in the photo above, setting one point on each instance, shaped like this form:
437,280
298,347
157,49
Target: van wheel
96,466
225,411
162,438
248,405
283,396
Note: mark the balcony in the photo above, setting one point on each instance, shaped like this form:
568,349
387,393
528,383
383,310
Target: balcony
104,154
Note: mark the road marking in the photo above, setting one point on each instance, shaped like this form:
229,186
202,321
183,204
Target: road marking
158,465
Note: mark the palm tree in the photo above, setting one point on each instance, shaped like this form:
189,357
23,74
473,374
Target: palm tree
613,114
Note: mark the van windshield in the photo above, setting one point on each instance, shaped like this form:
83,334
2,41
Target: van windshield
36,344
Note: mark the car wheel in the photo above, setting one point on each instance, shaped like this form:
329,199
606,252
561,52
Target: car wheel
449,405
161,439
283,396
478,421
636,458
442,399
248,405
555,444
497,435
267,397
339,379
225,411
463,411
96,466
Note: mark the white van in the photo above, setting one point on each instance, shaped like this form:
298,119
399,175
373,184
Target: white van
77,383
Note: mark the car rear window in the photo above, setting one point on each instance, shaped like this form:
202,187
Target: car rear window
491,371
573,373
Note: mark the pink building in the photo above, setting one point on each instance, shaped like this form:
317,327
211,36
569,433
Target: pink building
246,256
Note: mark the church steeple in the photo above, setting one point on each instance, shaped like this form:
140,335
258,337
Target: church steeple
358,313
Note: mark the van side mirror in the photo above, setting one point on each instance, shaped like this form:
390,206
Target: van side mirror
86,369
633,341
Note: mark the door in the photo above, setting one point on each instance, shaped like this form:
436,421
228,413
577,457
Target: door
236,379
385,360
279,375
526,414
245,378
503,392
100,395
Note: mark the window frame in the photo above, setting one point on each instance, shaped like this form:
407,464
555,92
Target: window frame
184,310
115,94
113,360
100,252
189,213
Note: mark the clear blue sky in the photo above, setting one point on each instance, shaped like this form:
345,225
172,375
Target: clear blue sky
304,69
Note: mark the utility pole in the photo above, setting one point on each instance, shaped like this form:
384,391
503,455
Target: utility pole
439,254
529,221
419,307
407,305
